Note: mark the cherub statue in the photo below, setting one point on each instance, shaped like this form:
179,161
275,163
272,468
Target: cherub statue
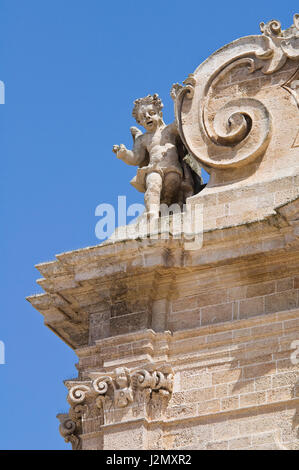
163,175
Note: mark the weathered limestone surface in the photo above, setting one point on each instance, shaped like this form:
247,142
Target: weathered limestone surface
194,349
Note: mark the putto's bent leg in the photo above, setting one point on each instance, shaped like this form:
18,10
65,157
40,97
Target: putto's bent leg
153,193
171,187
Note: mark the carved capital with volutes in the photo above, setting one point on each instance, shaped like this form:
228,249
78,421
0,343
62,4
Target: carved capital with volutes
70,430
128,388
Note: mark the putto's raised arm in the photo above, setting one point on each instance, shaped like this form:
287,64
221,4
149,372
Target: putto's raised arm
131,157
174,129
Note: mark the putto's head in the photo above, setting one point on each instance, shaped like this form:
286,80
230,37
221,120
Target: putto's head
122,377
148,112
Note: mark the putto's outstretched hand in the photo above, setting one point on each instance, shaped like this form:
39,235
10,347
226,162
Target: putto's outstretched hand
119,150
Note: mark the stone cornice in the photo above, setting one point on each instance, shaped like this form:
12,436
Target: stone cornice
202,344
80,281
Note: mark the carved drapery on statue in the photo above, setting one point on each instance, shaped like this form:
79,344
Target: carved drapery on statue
224,119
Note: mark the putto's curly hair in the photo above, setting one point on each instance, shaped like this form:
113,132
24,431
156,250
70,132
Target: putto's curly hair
149,99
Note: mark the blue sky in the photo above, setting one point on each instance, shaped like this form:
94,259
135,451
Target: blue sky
72,70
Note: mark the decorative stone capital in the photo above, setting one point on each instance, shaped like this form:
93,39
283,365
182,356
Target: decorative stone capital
122,395
124,387
70,430
116,390
155,381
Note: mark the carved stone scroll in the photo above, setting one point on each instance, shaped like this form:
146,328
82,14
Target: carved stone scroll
77,399
121,388
70,430
224,115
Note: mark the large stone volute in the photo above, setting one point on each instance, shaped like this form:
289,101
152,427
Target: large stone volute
238,112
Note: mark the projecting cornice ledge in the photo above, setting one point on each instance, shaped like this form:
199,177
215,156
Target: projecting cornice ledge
105,277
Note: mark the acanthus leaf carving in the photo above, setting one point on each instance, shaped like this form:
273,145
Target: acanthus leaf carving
187,87
280,45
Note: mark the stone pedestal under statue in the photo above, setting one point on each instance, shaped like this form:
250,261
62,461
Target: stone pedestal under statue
197,346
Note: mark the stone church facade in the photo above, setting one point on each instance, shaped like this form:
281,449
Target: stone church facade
185,347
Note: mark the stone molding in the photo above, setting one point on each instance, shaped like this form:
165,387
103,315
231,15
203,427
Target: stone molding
153,268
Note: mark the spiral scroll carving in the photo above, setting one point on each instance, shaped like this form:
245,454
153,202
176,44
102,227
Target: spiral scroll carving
145,379
70,430
223,117
77,394
101,385
243,124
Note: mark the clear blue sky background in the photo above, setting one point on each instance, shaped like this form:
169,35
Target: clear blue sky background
72,70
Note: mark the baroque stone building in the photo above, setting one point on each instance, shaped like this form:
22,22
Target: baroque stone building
196,347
